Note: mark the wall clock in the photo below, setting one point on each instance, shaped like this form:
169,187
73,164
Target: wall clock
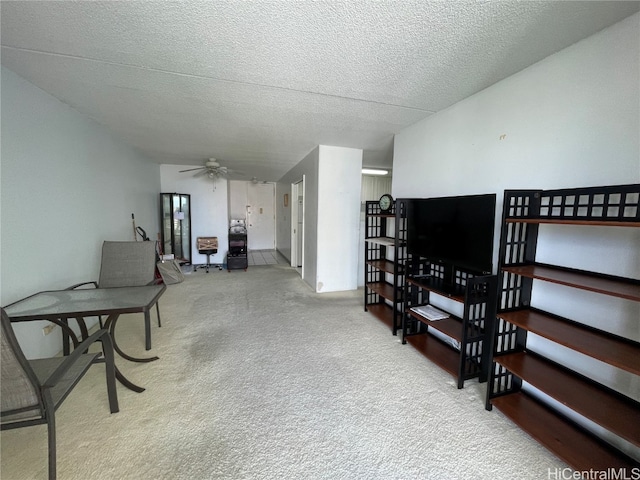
385,202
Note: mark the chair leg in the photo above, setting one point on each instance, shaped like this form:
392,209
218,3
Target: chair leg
66,350
147,330
110,369
158,312
51,435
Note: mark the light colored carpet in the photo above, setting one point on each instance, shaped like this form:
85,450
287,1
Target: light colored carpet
260,378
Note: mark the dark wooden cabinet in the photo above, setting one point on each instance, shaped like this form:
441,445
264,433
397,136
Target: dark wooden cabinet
584,422
385,255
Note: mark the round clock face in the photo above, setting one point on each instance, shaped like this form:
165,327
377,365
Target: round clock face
385,202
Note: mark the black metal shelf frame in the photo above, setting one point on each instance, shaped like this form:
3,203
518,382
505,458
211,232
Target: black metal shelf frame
477,293
385,241
523,212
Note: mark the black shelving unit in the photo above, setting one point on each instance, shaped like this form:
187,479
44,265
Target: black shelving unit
384,258
237,255
516,367
461,348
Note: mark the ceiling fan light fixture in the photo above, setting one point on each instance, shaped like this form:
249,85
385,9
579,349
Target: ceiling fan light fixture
211,169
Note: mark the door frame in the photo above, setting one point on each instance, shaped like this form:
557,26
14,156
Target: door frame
297,188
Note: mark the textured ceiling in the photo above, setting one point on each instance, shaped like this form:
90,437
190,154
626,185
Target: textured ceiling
259,84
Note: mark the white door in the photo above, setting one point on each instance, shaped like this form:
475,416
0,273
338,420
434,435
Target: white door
261,216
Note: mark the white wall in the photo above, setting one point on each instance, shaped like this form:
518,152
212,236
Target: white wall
307,167
373,187
67,186
238,199
571,120
331,221
339,180
209,217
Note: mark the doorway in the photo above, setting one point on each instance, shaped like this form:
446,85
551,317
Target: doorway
255,203
261,216
297,226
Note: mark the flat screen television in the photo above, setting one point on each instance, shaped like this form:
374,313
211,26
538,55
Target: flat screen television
455,231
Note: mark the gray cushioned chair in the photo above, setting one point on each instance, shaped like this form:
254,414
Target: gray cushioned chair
128,264
32,390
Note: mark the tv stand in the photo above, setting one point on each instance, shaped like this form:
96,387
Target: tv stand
459,347
440,282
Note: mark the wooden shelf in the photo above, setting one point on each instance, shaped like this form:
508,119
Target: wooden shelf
384,265
436,286
554,221
583,281
383,289
577,448
442,355
607,348
451,326
385,253
383,312
578,412
467,359
386,241
612,411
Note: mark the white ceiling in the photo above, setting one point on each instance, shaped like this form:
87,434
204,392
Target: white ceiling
258,84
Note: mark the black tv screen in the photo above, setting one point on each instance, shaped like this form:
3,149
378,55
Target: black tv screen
453,230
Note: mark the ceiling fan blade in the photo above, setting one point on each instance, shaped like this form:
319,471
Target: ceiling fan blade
217,171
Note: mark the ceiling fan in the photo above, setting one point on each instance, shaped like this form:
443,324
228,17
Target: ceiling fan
211,169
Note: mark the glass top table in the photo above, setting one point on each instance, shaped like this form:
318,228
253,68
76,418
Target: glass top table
58,306
85,302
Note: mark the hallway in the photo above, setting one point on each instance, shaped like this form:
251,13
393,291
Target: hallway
266,257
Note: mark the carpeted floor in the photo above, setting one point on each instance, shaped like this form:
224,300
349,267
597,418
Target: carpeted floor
260,378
